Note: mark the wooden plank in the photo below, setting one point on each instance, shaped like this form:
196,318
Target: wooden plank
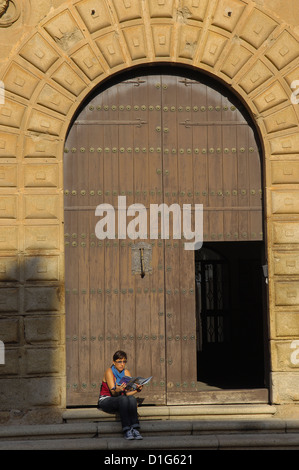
149,328
83,303
124,141
214,149
157,389
96,305
171,183
72,306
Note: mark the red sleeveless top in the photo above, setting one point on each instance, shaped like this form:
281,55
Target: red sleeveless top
105,390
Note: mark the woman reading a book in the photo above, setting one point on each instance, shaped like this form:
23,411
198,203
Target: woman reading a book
114,396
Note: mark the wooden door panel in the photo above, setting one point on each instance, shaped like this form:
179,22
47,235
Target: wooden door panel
179,263
96,305
114,154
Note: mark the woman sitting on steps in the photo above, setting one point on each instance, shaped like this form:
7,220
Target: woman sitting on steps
114,398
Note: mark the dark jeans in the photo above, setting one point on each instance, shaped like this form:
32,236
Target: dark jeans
127,408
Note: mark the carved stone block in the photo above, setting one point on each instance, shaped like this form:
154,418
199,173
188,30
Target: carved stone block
88,62
285,172
10,332
284,50
9,300
64,30
41,268
9,269
8,238
44,123
128,9
272,96
41,175
235,60
54,100
19,81
44,329
110,47
281,353
38,52
285,232
285,202
287,144
11,113
282,120
41,207
50,390
69,79
8,207
161,8
41,237
194,9
253,78
287,294
95,14
136,42
287,324
162,39
42,299
290,77
227,14
213,48
257,28
8,144
189,41
8,175
286,263
41,146
43,360
12,363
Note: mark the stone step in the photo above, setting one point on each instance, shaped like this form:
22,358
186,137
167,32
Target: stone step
161,435
190,412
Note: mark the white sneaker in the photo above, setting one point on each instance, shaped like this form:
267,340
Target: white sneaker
129,435
136,434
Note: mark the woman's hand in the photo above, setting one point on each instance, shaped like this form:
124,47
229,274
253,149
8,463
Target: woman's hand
120,388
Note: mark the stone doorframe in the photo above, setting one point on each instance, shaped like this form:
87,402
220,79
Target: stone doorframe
75,48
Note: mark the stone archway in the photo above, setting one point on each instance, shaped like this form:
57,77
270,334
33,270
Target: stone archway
81,44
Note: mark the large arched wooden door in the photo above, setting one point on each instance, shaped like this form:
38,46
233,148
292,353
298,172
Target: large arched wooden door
152,138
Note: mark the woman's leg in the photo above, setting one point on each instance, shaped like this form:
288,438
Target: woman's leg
109,405
128,411
118,404
132,405
127,408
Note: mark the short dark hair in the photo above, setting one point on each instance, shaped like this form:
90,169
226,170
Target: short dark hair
119,355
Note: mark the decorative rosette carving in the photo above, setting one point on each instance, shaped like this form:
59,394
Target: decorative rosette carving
9,12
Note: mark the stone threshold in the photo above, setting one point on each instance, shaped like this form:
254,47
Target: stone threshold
176,412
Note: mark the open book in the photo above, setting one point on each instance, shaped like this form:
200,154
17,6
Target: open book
132,382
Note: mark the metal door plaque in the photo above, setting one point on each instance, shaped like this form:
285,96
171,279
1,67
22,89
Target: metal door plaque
141,258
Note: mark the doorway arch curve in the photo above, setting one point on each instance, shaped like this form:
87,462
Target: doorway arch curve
155,136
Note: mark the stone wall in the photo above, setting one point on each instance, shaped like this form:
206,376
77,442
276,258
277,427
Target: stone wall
53,53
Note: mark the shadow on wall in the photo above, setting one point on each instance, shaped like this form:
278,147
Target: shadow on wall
32,359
